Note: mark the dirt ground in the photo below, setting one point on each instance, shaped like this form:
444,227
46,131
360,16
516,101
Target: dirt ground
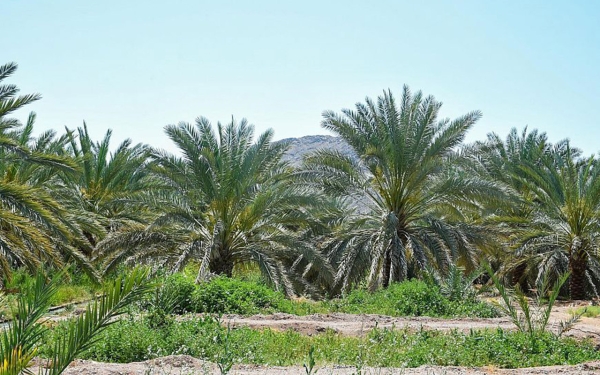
356,325
186,365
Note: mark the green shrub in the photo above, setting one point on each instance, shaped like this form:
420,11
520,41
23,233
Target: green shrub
410,298
180,289
415,298
224,295
231,296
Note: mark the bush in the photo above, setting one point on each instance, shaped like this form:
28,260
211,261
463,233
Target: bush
179,294
411,298
180,289
231,296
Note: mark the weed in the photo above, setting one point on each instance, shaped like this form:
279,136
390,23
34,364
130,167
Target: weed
225,358
309,366
532,319
206,338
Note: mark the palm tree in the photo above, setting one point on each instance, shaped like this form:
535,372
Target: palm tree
106,193
34,229
501,160
9,100
227,200
531,166
408,200
564,227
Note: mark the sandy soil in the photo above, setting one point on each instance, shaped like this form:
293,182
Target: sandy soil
186,365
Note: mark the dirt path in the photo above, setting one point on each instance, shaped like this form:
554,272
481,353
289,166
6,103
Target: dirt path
356,325
178,365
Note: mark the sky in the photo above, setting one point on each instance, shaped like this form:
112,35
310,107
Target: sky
135,66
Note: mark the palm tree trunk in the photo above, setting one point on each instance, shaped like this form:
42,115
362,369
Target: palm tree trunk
222,266
387,268
518,277
577,280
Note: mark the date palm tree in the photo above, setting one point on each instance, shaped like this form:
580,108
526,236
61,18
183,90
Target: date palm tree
106,191
34,226
10,101
408,199
227,200
501,159
563,232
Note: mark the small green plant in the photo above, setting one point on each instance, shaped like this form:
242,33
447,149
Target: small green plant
532,318
457,286
410,298
360,358
309,365
179,288
225,357
132,340
161,307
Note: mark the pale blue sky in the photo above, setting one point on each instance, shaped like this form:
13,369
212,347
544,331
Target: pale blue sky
135,66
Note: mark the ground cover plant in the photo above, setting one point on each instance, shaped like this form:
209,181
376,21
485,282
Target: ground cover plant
135,339
224,295
587,311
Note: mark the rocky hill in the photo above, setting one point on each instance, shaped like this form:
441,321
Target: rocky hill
304,145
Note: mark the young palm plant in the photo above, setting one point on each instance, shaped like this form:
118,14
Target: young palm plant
532,318
228,199
408,197
18,342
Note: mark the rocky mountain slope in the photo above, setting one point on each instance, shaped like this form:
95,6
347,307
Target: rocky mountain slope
304,145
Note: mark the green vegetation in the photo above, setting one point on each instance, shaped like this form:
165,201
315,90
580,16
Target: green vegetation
228,200
587,311
409,177
410,298
19,341
230,296
532,318
400,227
135,340
411,197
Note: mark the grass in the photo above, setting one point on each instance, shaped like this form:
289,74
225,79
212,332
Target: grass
587,311
77,289
135,340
